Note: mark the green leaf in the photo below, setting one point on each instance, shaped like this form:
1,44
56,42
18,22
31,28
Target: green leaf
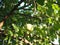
10,33
16,28
55,7
50,20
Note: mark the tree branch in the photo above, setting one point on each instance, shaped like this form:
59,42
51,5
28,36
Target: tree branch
10,13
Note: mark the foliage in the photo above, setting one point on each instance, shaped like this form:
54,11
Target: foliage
35,23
